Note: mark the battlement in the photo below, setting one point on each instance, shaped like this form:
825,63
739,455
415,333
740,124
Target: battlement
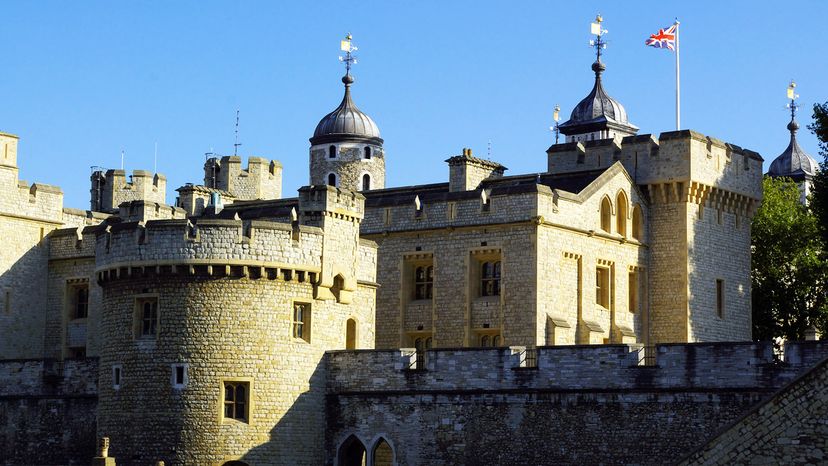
701,163
141,211
331,201
572,368
262,179
195,198
110,189
8,149
72,243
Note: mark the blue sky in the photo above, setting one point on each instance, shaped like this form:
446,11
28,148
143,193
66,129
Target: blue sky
83,80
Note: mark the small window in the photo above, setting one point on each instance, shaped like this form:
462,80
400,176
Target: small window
179,375
490,278
332,152
606,215
366,182
621,217
237,400
636,223
117,371
79,299
424,282
633,291
301,321
146,317
602,287
7,302
350,334
367,152
720,297
489,340
331,179
485,341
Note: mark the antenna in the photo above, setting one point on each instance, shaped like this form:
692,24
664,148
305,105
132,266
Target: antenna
155,160
122,159
489,156
349,59
237,143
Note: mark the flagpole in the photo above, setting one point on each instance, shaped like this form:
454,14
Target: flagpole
678,81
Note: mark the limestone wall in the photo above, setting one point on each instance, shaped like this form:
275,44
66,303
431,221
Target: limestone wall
262,179
582,405
349,165
112,188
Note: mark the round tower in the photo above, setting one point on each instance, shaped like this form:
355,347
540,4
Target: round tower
346,149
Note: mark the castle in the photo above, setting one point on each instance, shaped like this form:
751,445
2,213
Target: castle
237,327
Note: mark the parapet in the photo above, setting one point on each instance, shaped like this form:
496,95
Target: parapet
261,180
194,198
8,149
683,366
111,189
141,211
331,201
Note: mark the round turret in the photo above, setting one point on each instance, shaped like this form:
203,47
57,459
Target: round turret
346,148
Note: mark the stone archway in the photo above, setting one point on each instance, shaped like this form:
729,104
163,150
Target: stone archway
351,452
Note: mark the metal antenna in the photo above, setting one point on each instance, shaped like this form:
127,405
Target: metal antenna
598,31
349,59
237,143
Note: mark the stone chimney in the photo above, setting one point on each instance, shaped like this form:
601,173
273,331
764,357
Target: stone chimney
466,171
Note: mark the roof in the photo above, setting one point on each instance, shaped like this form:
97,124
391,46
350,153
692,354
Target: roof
346,122
597,110
793,162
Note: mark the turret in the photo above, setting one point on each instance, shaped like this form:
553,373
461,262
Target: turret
111,188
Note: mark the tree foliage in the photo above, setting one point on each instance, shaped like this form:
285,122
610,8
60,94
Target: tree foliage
819,196
789,268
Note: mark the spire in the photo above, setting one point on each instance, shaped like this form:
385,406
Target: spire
599,44
794,162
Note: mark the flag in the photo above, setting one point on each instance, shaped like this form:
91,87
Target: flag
664,39
345,45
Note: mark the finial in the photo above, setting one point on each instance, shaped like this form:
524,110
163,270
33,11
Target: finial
349,59
598,43
793,126
556,116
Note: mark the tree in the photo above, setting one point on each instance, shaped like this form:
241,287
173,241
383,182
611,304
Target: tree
819,197
789,271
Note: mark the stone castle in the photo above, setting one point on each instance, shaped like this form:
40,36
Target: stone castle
356,324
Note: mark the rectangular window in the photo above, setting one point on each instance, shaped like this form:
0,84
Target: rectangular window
720,298
7,302
451,210
179,375
602,287
490,278
146,317
634,287
237,400
78,301
424,282
117,370
301,321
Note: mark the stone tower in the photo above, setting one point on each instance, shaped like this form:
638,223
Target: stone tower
346,148
795,163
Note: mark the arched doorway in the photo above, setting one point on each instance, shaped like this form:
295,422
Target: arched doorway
351,452
383,454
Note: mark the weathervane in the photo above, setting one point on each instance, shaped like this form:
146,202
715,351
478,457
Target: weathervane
349,59
598,31
793,96
556,115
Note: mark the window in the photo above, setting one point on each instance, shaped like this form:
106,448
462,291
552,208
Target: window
602,287
606,215
424,282
179,375
366,182
489,340
367,152
331,179
117,371
490,278
332,152
485,201
301,321
383,454
621,217
636,223
350,334
720,292
79,301
236,400
633,290
7,302
146,317
421,344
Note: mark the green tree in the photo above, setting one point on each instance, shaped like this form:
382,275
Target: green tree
789,271
819,196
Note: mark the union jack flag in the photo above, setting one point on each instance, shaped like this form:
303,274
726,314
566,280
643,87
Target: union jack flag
664,39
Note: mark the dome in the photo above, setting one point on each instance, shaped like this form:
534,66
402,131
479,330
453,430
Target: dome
793,162
598,110
346,122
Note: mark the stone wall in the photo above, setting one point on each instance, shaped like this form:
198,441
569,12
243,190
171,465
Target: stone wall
47,411
261,180
111,189
581,405
349,165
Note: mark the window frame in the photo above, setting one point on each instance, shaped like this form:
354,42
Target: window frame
185,378
721,298
494,277
426,284
602,288
117,376
304,325
73,301
139,319
249,405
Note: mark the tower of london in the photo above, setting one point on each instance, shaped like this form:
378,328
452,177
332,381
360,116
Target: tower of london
597,310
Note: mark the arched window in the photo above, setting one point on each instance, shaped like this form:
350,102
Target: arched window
383,455
636,223
351,452
350,334
484,340
496,340
367,152
424,282
621,216
490,279
338,284
332,152
331,179
606,215
366,182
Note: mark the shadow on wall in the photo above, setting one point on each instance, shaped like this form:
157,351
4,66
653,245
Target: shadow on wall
23,304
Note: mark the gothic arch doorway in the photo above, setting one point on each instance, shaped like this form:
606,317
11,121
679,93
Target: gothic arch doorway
351,452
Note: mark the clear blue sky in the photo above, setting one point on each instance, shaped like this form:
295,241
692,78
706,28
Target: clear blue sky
83,80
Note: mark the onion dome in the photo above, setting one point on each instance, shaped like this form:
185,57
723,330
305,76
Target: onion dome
346,122
598,111
793,162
